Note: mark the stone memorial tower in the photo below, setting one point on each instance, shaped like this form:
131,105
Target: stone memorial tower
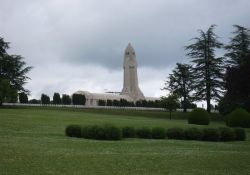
130,81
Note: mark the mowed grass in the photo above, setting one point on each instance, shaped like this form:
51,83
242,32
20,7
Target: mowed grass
32,141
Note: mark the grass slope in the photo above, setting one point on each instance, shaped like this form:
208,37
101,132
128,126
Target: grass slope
32,141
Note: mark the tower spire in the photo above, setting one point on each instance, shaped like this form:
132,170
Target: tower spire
130,82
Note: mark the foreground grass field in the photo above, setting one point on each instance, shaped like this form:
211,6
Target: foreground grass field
32,141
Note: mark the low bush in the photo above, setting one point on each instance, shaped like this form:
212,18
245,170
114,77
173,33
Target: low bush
99,133
210,134
73,131
199,116
240,134
239,118
193,134
158,133
102,132
227,134
176,133
128,132
112,132
89,132
144,132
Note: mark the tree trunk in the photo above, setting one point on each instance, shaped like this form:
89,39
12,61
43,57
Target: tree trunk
185,104
208,105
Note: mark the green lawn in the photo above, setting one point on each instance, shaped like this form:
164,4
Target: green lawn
32,141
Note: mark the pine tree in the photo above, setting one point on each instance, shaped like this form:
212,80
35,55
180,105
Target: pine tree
207,68
57,98
180,83
66,100
23,97
13,72
239,46
45,99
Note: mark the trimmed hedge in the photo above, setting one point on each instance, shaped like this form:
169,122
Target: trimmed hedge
176,133
98,132
199,116
240,134
193,134
211,134
239,118
158,133
111,132
227,134
73,131
128,132
144,132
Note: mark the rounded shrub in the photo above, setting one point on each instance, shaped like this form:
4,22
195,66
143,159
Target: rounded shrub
158,133
144,132
239,118
193,134
227,134
198,116
73,131
240,134
176,133
100,132
112,132
90,132
128,132
210,134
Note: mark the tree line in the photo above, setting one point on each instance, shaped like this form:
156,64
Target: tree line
224,79
75,99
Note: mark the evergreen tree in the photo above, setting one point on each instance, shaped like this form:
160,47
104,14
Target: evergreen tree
66,100
7,92
23,97
207,68
45,99
78,99
239,46
13,72
12,68
57,98
237,88
180,83
101,103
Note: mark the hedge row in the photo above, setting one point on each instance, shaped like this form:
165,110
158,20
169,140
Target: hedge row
111,132
99,132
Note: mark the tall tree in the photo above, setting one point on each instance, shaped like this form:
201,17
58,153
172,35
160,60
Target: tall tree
66,100
78,99
7,93
45,99
56,98
207,68
237,88
12,69
239,46
23,97
180,83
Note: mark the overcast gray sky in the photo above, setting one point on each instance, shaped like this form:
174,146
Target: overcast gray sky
79,44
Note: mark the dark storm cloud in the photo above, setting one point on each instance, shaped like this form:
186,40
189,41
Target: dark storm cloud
71,43
81,32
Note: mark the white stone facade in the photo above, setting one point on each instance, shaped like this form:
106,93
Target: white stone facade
130,92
